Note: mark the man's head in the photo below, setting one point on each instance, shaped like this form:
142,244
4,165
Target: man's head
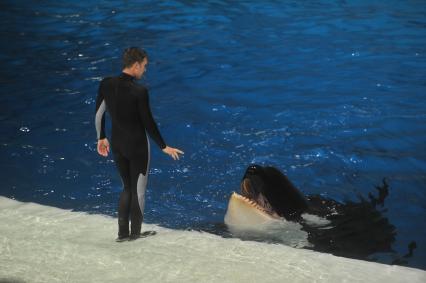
135,61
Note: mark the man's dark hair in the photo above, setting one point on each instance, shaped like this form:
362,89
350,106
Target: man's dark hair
132,55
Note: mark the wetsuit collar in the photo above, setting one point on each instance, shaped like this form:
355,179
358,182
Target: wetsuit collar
127,76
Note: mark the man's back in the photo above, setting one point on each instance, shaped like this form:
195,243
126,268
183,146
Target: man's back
128,106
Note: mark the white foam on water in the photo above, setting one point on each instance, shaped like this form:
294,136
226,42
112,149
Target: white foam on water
315,220
47,244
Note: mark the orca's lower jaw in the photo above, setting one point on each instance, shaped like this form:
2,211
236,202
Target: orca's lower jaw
249,203
246,209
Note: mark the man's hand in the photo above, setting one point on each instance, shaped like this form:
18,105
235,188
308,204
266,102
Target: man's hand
103,147
173,152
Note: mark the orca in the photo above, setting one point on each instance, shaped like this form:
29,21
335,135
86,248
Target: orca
267,198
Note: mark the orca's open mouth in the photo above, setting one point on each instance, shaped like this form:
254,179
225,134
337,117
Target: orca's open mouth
246,188
255,199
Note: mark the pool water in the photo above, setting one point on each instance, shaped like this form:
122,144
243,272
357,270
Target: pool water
330,92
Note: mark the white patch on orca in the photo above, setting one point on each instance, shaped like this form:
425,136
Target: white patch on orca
282,231
247,220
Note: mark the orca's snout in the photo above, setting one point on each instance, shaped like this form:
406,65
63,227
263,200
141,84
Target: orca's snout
252,170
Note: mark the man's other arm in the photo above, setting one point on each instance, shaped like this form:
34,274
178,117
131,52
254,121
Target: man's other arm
100,112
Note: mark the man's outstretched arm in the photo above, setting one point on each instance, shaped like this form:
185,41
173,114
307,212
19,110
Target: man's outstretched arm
151,127
148,120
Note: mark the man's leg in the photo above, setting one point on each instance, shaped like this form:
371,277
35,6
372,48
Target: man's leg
139,182
123,166
139,168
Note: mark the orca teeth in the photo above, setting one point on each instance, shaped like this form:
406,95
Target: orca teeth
253,203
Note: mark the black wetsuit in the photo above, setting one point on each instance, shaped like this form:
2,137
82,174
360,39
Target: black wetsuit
128,106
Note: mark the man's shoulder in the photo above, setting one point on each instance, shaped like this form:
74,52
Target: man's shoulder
140,90
105,82
106,79
136,89
141,87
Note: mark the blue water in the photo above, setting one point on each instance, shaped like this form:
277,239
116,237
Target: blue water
330,92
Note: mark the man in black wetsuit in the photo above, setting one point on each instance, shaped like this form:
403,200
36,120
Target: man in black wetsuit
128,105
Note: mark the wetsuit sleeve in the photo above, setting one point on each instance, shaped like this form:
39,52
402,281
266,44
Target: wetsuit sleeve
148,120
100,112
